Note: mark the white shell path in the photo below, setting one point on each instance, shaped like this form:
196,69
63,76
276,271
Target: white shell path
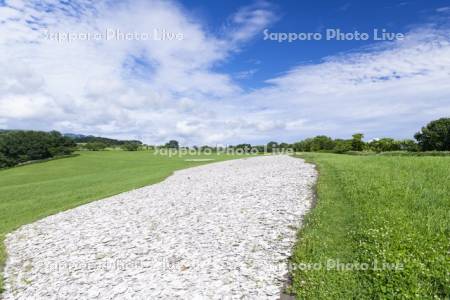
219,231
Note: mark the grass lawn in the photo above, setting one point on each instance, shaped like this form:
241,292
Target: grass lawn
374,210
31,192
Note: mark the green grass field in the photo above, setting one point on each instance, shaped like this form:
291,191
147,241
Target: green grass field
31,192
374,210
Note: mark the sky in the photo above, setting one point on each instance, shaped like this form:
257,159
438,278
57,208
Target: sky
223,72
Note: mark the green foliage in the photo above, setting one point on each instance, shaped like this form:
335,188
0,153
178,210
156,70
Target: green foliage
246,148
357,142
172,144
130,147
322,142
302,146
260,148
95,146
374,210
82,139
342,146
5,161
271,146
384,144
318,143
284,146
408,145
435,135
21,146
355,145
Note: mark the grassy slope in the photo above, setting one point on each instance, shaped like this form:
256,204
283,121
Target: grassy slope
34,191
384,209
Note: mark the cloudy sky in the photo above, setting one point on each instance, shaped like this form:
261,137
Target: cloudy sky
207,73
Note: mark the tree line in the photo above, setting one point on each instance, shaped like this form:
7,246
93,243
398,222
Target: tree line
19,146
96,143
435,136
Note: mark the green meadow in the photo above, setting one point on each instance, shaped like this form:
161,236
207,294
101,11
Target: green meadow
380,229
31,192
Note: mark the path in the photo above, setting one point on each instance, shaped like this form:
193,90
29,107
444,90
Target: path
223,229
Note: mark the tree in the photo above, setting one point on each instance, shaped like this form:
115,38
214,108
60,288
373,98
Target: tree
321,142
5,161
172,144
408,145
342,146
357,142
130,146
260,148
271,146
303,146
384,145
435,136
95,146
244,147
19,146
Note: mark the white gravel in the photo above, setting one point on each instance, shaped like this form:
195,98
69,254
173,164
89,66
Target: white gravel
219,231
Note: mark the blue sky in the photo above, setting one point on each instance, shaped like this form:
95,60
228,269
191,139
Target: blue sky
312,16
222,82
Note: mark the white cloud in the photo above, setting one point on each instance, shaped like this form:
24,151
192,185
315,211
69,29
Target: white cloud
249,21
443,9
392,89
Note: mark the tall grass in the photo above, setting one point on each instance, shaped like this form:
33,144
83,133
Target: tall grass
373,210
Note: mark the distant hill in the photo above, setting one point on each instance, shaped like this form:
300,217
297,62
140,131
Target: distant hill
74,135
80,138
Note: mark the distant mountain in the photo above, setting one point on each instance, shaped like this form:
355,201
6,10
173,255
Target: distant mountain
80,138
74,135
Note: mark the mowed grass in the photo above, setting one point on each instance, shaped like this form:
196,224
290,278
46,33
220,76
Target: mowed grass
374,210
31,192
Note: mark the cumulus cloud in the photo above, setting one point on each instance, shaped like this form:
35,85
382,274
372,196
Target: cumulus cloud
158,90
393,89
105,86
